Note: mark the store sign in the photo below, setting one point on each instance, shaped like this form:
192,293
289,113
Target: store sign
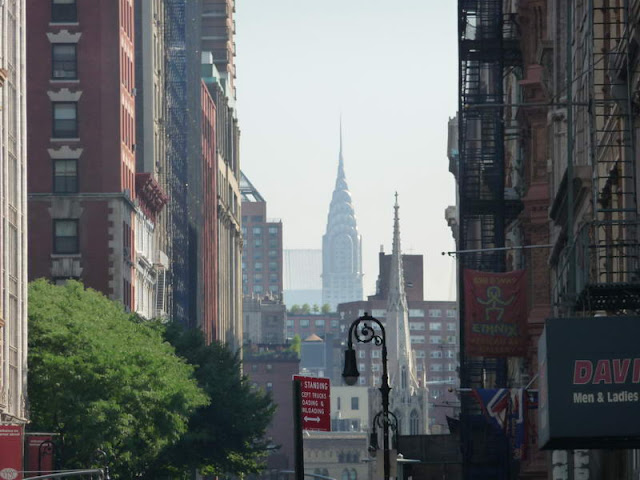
316,403
495,318
11,452
589,378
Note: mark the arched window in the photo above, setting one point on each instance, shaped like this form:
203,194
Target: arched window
404,377
399,417
354,474
414,423
345,474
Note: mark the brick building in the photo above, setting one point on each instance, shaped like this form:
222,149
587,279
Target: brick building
83,199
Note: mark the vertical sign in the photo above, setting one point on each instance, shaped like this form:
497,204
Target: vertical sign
40,450
495,313
11,452
315,410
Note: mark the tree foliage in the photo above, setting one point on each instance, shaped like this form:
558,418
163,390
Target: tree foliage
326,308
101,379
226,436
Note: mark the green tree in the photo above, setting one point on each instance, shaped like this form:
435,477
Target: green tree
295,309
306,309
101,379
315,308
296,343
326,308
227,436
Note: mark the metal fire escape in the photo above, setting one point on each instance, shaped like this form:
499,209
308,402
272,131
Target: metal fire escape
176,137
605,252
488,46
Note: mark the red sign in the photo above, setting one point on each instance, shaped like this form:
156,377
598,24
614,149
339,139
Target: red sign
316,403
11,452
495,313
40,451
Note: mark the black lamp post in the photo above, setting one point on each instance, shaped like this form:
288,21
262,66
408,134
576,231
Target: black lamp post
378,422
363,331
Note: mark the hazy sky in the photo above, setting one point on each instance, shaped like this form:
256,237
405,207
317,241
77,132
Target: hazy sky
389,67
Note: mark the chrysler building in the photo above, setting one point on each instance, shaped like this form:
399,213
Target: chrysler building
341,247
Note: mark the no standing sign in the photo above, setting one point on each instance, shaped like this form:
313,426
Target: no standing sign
315,403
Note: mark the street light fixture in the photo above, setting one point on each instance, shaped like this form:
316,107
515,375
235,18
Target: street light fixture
362,329
378,421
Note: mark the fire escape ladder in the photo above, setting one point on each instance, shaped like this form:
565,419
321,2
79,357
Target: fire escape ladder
609,244
488,45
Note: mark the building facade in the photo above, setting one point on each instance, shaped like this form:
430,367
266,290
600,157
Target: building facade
341,247
302,276
82,167
262,252
271,367
13,213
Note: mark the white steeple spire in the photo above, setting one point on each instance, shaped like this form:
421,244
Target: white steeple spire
403,375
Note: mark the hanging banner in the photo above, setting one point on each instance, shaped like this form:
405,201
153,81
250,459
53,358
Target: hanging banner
495,313
11,452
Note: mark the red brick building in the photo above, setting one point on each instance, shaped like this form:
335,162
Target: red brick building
271,367
81,111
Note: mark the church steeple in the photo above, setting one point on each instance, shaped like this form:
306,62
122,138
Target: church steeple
341,245
403,373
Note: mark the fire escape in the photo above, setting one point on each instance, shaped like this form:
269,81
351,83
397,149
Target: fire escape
488,47
599,269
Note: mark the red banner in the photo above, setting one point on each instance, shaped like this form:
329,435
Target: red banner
495,313
11,452
40,451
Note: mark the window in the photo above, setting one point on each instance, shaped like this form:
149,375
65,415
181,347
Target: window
362,354
451,313
434,313
451,327
435,339
362,367
417,338
65,120
273,277
258,289
257,266
257,230
435,367
420,354
64,61
416,312
319,323
451,367
334,323
435,354
269,386
257,277
450,354
257,242
273,230
273,254
451,339
375,367
65,236
290,323
64,11
375,353
355,403
378,312
414,423
435,326
257,218
65,176
416,326
304,323
273,266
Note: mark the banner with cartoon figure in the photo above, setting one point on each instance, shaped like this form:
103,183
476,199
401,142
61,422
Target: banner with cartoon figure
495,313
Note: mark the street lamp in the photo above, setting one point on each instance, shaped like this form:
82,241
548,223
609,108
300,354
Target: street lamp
378,421
362,329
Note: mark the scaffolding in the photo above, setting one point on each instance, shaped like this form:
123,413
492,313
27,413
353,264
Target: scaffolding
176,141
488,47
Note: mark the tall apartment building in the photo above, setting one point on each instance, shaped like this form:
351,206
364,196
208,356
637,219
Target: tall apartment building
13,213
83,202
262,253
302,276
341,246
152,169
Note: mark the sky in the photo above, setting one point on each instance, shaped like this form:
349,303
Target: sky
389,67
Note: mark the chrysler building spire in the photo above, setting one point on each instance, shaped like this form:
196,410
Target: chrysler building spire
341,245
